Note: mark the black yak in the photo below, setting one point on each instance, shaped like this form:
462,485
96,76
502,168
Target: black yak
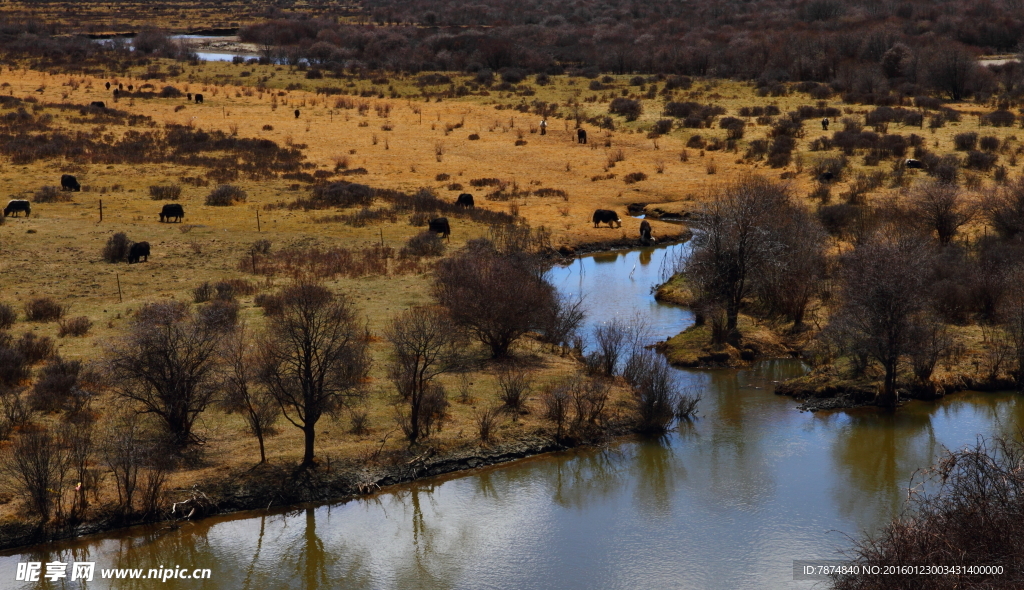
606,216
581,135
440,226
16,206
171,210
138,250
69,183
465,200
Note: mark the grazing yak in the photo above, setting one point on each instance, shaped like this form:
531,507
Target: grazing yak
198,98
171,210
912,163
606,216
440,226
297,113
69,183
108,85
465,200
581,135
138,250
645,233
98,104
16,206
188,95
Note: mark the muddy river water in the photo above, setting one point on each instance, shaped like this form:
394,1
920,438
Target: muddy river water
727,501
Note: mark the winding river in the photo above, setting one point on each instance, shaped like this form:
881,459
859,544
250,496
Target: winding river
727,501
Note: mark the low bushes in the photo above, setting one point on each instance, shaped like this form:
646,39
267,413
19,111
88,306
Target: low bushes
225,195
44,309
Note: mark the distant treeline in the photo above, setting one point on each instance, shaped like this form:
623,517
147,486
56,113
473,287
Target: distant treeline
864,46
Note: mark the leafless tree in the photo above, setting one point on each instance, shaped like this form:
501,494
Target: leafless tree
244,394
1011,316
733,243
562,321
498,298
125,452
169,364
941,208
36,466
789,281
425,343
617,338
313,356
883,297
656,394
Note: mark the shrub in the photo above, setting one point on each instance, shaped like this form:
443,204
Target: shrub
965,141
13,367
170,192
980,160
44,309
662,126
272,304
51,194
117,246
56,384
77,326
7,316
170,92
202,293
988,143
634,177
226,194
628,108
734,127
220,314
35,348
514,385
695,142
423,244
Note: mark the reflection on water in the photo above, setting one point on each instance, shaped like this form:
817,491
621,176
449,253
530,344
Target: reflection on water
727,501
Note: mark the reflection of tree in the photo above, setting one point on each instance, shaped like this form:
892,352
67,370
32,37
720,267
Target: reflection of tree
655,469
875,455
310,557
587,477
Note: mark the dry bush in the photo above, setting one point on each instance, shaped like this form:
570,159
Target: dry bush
77,326
202,293
514,385
51,194
44,309
487,422
316,263
170,192
116,248
423,244
56,385
7,316
967,513
226,194
34,348
220,314
14,368
634,177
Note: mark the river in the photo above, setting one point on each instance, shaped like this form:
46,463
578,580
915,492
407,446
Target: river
727,501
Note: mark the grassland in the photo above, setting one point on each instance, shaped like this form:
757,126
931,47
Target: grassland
406,137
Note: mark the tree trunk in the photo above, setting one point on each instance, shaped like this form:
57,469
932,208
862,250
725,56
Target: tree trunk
310,432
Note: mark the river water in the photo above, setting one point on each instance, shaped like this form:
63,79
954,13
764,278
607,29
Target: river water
727,501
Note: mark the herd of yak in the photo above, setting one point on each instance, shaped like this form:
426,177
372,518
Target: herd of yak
174,212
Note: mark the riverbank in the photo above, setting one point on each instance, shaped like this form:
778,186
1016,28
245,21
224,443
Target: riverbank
273,485
619,244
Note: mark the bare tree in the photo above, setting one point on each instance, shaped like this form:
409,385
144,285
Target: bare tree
313,356
498,298
168,363
563,321
242,392
656,394
1005,209
733,243
882,300
940,208
425,343
789,280
1011,315
124,452
36,465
